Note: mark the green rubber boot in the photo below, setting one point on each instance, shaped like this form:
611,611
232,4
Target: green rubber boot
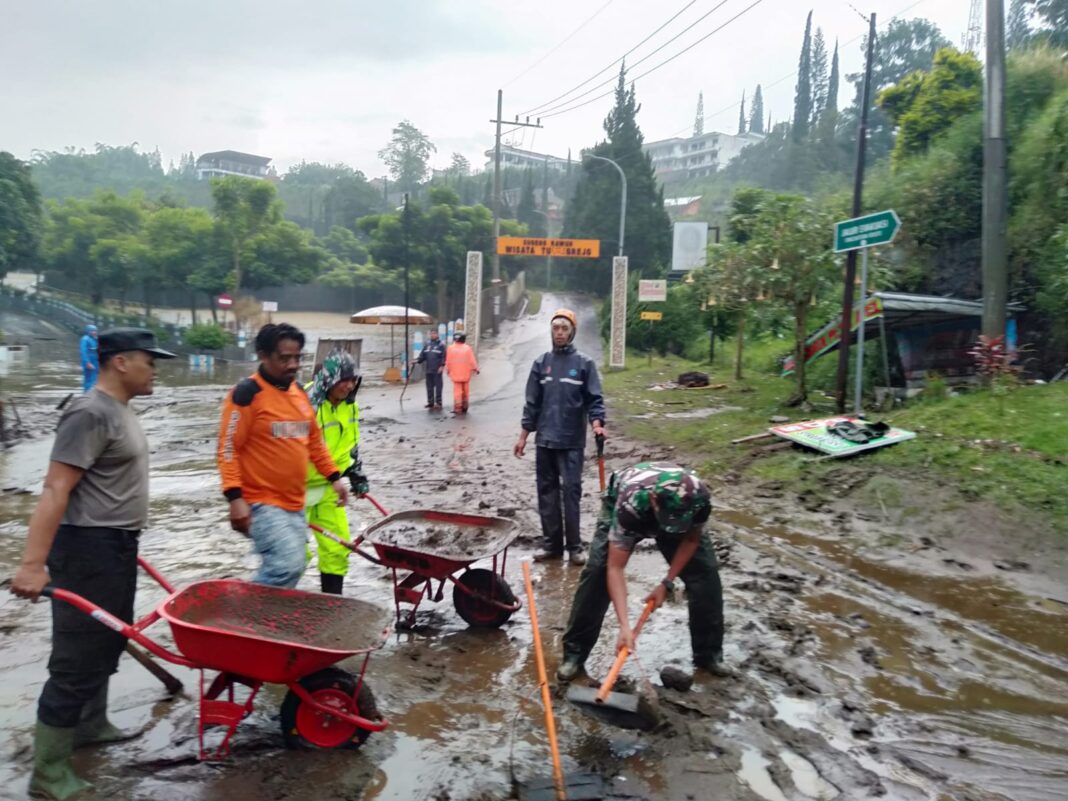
53,775
94,727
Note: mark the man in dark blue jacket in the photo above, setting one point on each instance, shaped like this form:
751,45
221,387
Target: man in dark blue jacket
563,393
433,355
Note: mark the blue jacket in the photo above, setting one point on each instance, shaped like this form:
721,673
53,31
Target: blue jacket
87,347
433,354
563,398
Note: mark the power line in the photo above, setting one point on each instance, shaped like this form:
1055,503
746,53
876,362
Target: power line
668,60
793,74
565,40
601,71
687,29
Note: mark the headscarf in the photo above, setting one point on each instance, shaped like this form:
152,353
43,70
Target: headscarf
337,366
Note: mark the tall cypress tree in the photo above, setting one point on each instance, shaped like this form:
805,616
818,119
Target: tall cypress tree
831,106
756,113
741,115
699,121
525,210
819,77
803,95
594,208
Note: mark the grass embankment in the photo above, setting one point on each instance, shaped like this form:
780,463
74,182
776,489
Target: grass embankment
1008,449
533,302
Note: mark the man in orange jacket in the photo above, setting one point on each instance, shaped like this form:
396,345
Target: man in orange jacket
267,436
460,362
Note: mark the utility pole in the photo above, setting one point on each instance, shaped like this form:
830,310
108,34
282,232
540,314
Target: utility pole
842,377
496,277
995,249
405,225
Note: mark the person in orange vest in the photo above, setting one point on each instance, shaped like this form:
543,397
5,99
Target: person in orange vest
460,362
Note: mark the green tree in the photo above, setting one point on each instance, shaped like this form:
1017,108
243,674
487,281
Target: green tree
243,207
73,230
1054,16
459,166
925,104
407,156
282,253
1018,25
756,112
321,196
796,263
20,215
903,47
343,244
819,78
527,211
803,91
181,242
741,115
593,212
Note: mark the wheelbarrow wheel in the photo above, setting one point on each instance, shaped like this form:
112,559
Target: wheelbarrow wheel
306,728
473,609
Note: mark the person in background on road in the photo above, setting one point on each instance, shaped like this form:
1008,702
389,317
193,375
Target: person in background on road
333,396
460,362
433,355
267,435
563,393
85,531
672,505
89,357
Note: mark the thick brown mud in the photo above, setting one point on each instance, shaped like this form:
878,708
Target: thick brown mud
860,671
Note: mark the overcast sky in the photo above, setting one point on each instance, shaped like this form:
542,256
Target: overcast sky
325,80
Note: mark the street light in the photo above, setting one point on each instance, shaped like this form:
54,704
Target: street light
623,198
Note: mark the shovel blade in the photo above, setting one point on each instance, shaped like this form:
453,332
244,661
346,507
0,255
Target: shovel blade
578,787
623,710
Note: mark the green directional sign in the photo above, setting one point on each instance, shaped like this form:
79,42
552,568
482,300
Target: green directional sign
866,232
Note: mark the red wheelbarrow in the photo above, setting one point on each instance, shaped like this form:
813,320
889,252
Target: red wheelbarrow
434,546
254,635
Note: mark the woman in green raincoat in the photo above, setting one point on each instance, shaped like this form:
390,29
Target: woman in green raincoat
332,393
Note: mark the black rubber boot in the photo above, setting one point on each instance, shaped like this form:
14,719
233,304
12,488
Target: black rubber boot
332,584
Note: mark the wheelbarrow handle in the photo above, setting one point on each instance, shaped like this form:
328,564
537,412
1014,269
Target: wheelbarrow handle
105,618
376,504
624,652
353,546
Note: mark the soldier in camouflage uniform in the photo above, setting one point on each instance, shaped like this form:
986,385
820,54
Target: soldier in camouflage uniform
672,505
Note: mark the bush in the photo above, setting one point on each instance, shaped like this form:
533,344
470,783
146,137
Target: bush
207,336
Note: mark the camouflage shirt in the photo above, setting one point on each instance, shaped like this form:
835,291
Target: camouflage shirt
684,499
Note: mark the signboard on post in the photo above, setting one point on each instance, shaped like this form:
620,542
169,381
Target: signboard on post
652,291
866,232
689,246
270,306
541,246
652,316
224,301
617,351
473,298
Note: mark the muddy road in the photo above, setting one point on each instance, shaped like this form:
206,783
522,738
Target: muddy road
861,672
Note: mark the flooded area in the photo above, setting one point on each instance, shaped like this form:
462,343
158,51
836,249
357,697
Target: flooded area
859,672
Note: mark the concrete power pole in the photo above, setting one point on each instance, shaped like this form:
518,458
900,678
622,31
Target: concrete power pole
842,377
496,263
995,176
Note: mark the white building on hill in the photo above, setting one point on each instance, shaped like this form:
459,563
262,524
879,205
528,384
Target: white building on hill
680,159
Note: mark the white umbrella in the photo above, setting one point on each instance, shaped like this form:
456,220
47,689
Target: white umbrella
391,316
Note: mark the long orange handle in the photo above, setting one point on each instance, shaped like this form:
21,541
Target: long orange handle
613,674
543,682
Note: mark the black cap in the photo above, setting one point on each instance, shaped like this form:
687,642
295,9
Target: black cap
119,340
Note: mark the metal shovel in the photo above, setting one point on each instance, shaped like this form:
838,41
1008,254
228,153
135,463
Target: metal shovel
627,711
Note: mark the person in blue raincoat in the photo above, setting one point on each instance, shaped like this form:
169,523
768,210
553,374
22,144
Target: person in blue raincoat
90,359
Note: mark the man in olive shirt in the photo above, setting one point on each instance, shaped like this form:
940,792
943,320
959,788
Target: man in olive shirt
85,530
